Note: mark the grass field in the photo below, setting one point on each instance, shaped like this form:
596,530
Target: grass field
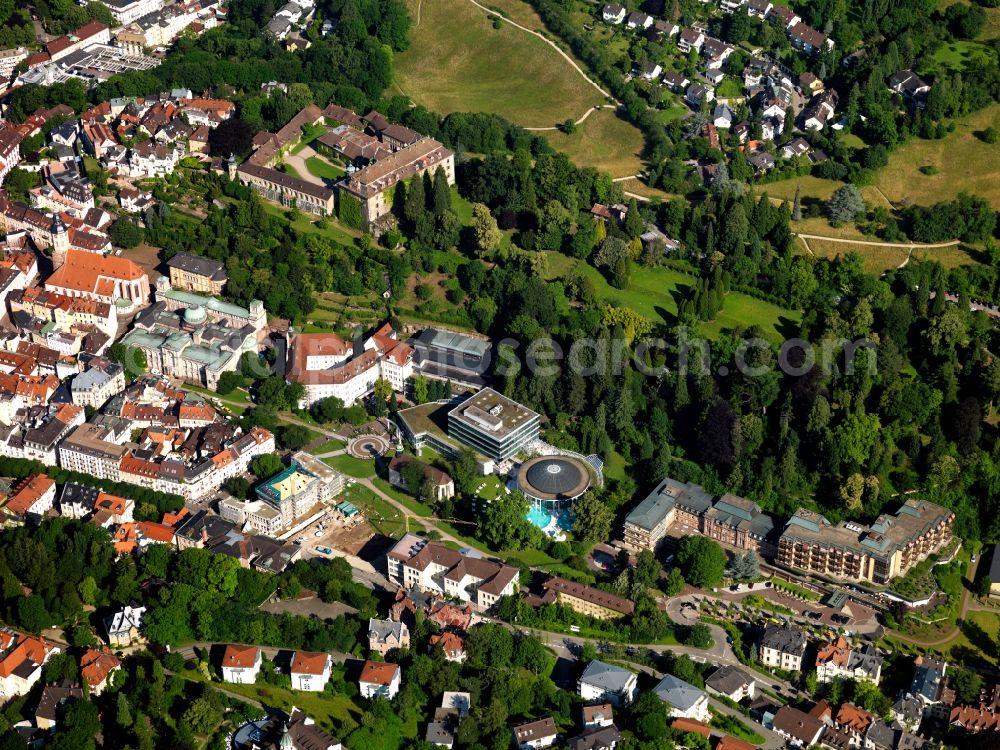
964,163
457,62
656,292
980,634
955,55
351,466
604,140
320,167
641,188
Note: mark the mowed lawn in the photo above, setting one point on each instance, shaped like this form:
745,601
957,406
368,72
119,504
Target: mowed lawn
964,163
604,140
655,293
457,62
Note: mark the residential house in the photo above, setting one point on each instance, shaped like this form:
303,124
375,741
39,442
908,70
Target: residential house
789,18
613,14
795,148
731,682
723,116
810,84
908,84
310,671
728,742
731,6
596,738
853,721
675,81
21,660
697,92
51,703
96,668
809,40
638,20
782,647
99,382
385,636
683,699
994,574
606,682
690,39
838,659
36,495
761,161
442,484
598,715
452,645
380,679
820,110
534,734
908,710
797,726
716,52
124,627
241,664
928,683
135,201
435,568
651,71
759,8
742,131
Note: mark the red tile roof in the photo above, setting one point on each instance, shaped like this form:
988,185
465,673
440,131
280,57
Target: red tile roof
95,666
378,672
308,662
691,725
30,492
240,656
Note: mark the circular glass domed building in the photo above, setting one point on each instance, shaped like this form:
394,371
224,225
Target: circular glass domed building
552,483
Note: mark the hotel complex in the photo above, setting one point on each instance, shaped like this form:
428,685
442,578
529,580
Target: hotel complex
877,553
730,520
809,542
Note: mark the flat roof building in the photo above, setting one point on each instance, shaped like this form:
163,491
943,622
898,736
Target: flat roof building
493,425
446,355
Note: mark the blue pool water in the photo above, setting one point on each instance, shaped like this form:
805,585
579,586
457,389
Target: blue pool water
544,520
538,517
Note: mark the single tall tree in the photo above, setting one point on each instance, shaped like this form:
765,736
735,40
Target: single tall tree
442,193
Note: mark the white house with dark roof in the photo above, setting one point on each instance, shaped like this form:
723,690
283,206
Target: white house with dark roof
613,14
732,682
782,647
683,699
534,734
606,682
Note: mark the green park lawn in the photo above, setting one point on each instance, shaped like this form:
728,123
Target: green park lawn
457,62
351,466
320,167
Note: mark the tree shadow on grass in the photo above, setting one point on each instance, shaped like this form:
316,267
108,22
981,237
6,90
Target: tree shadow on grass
979,638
